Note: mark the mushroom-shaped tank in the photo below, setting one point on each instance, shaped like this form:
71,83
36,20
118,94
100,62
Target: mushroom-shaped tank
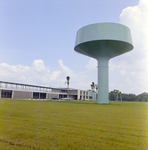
103,41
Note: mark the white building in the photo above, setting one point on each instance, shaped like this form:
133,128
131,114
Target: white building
26,91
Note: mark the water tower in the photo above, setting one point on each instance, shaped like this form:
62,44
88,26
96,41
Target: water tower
103,41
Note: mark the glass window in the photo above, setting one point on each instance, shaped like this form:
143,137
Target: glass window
35,95
42,95
6,94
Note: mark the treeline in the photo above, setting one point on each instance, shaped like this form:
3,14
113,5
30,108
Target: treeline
114,96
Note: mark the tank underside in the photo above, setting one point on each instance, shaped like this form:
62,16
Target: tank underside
103,48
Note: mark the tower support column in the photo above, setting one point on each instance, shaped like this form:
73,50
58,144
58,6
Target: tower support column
103,97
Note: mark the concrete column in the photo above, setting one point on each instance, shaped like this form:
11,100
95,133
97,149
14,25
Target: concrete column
46,96
103,80
31,95
12,93
79,95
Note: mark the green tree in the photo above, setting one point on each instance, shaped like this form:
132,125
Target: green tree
120,96
116,92
92,86
68,78
112,96
139,98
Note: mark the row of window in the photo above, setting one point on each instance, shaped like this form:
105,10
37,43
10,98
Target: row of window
83,92
83,97
37,95
6,94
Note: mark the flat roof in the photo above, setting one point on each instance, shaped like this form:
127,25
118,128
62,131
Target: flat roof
31,85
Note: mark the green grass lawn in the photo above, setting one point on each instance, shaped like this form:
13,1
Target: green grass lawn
73,125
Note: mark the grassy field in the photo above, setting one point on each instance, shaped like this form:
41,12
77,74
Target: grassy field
73,125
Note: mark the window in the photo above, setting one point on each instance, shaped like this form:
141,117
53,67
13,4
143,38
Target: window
35,95
42,95
6,94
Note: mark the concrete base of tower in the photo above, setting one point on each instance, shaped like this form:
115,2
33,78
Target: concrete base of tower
103,97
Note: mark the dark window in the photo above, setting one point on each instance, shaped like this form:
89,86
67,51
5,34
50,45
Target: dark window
42,95
90,97
63,91
62,96
6,94
35,95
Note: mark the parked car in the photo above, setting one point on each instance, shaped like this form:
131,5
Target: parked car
66,98
55,98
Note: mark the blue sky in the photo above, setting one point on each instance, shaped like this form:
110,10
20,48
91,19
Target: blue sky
37,42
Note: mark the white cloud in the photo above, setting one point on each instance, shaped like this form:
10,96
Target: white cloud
38,65
77,80
136,18
122,72
67,71
39,74
92,65
136,62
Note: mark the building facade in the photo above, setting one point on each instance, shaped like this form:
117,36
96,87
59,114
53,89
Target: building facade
26,91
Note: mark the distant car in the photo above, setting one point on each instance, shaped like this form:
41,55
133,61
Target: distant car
66,98
55,98
62,98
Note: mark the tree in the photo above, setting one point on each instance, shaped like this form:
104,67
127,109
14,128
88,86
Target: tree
120,96
92,86
67,78
139,98
116,92
112,96
96,88
143,97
